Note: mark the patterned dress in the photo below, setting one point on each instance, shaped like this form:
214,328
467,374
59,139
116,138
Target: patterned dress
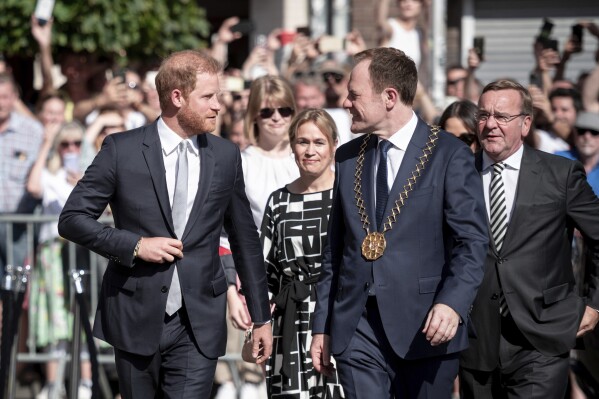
293,235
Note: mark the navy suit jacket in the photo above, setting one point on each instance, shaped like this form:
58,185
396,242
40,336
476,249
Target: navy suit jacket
435,252
128,173
534,265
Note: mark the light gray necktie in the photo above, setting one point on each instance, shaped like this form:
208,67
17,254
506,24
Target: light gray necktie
179,211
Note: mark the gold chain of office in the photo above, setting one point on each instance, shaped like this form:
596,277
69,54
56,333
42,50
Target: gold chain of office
374,243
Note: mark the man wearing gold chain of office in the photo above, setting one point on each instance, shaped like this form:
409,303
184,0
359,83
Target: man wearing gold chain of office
407,242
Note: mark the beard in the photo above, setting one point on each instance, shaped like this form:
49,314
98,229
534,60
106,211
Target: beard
193,122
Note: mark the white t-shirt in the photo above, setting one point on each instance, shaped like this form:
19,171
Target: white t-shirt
550,142
407,41
263,175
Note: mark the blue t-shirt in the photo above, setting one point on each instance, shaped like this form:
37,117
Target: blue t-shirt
592,176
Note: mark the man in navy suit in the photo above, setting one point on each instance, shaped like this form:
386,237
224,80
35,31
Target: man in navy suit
407,241
171,187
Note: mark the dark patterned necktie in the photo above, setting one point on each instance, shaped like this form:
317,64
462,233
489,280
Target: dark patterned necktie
382,188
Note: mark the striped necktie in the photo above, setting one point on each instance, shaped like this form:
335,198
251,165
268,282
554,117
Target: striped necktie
498,219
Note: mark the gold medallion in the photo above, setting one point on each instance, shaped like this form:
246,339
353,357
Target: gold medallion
374,245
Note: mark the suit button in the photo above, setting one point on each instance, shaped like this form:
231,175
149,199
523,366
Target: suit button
367,286
164,288
495,296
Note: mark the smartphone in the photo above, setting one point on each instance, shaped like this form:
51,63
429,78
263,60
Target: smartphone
479,46
535,79
551,44
244,27
577,34
260,40
120,73
330,44
304,30
546,29
43,11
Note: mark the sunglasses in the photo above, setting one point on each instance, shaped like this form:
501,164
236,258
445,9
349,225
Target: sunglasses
332,75
467,138
456,81
67,144
266,113
582,132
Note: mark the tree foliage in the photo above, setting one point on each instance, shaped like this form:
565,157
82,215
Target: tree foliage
127,29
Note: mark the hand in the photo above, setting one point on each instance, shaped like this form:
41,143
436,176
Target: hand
541,102
354,42
224,34
160,249
272,40
591,27
73,177
473,59
42,34
237,311
51,129
588,322
262,342
113,93
321,357
441,324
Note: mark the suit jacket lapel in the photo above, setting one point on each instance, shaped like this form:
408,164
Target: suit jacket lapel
152,151
528,179
478,162
206,173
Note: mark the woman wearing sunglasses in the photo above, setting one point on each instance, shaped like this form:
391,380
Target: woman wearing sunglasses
52,178
293,234
268,164
459,119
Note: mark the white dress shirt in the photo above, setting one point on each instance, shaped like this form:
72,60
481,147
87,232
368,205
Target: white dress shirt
399,141
510,179
169,140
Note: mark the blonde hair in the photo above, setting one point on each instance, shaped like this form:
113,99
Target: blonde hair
71,130
273,89
320,118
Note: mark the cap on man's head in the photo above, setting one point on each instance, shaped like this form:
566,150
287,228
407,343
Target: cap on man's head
587,121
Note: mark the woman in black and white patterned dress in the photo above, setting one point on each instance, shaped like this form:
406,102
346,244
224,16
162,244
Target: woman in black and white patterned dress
293,235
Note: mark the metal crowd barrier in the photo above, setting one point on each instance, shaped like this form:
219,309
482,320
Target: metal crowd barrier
97,265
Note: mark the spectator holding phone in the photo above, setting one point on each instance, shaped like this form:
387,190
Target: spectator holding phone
52,179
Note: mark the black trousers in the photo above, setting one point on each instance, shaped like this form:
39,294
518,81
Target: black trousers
178,370
523,372
369,368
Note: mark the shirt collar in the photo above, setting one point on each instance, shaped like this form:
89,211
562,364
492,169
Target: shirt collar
512,162
402,137
13,122
170,140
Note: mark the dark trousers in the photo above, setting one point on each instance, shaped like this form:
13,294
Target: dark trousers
369,368
177,371
523,372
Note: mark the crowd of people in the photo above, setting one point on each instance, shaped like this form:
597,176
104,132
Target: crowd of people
307,226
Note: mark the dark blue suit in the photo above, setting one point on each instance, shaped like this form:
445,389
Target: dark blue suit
129,175
435,252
